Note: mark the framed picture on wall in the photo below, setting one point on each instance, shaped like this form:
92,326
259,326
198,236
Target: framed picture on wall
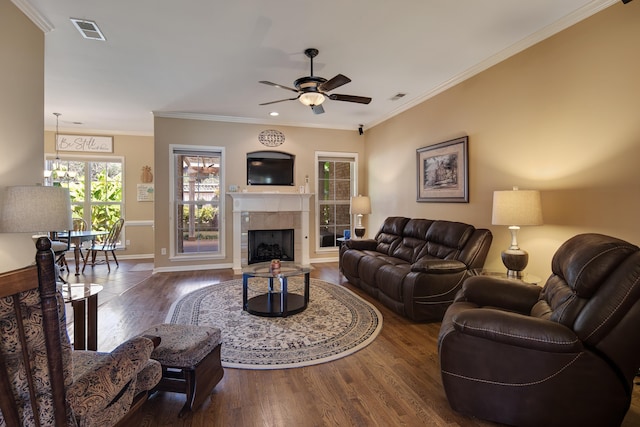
443,172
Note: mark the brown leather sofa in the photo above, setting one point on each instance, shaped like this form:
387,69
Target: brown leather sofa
562,355
415,266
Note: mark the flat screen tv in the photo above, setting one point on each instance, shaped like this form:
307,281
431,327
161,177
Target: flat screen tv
270,168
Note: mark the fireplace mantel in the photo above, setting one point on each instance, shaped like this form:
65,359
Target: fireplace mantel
269,202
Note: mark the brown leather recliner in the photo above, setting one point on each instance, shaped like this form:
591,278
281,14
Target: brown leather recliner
565,354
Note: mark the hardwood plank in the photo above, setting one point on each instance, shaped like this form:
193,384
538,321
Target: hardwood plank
395,381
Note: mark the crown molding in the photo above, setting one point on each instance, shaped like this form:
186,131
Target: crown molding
34,15
247,120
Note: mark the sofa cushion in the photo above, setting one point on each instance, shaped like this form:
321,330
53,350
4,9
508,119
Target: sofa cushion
369,265
388,277
413,239
445,239
390,234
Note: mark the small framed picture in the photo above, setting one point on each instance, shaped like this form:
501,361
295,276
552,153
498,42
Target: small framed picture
443,172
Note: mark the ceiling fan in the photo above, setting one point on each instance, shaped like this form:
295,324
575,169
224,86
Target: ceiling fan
312,90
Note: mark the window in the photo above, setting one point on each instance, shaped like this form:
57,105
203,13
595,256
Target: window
198,201
335,184
95,186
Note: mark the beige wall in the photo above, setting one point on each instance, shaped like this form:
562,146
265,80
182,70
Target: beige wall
562,117
238,139
21,118
137,152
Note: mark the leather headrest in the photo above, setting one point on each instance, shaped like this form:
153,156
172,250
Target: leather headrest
449,233
585,260
394,225
417,228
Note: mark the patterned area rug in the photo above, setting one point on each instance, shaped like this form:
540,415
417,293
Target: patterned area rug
335,324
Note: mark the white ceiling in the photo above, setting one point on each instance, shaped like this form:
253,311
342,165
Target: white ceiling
204,58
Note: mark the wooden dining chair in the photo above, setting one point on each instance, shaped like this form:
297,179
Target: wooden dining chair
79,224
109,244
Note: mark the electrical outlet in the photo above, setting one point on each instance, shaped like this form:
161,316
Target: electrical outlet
163,251
127,242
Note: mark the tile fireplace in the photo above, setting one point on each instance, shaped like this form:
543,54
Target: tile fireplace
253,211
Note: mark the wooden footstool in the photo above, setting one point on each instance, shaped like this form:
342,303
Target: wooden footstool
190,359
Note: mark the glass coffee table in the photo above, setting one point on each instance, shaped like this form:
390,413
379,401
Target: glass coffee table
277,301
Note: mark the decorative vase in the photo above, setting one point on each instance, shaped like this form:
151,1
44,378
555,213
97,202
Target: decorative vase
275,266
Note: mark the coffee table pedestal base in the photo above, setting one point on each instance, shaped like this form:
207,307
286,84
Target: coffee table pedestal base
270,305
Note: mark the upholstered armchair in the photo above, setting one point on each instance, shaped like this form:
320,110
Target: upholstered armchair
42,380
563,355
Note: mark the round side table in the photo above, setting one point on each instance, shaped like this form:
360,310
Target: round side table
84,301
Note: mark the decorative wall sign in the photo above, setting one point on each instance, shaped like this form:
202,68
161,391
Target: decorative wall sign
98,144
145,192
443,172
271,137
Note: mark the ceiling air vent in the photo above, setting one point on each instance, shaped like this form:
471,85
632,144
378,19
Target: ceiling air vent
397,96
88,29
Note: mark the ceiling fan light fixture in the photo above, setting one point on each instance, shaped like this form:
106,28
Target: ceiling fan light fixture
311,98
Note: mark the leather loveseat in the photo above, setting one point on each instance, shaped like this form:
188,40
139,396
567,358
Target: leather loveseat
415,266
562,355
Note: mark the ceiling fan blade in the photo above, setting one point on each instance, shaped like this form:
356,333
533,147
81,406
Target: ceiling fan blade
277,85
350,98
317,109
335,82
280,100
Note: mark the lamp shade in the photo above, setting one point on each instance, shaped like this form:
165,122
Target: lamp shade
517,207
29,209
360,205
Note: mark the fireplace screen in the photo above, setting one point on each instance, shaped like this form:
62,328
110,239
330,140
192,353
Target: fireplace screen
265,245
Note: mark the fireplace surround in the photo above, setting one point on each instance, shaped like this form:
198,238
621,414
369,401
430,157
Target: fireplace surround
269,211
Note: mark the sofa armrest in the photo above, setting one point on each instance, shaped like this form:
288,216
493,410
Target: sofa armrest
508,294
517,330
438,266
96,389
362,244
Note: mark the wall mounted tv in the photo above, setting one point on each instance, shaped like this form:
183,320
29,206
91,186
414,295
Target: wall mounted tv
270,168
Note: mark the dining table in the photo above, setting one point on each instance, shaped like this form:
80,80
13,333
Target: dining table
77,238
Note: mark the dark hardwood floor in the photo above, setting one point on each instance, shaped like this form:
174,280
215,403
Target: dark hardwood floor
395,381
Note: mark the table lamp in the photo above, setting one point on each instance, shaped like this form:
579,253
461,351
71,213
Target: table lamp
35,208
360,205
516,208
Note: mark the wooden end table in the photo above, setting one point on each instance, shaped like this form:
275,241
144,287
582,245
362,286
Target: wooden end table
527,278
84,301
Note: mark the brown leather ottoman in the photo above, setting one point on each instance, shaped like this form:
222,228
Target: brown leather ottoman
190,359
